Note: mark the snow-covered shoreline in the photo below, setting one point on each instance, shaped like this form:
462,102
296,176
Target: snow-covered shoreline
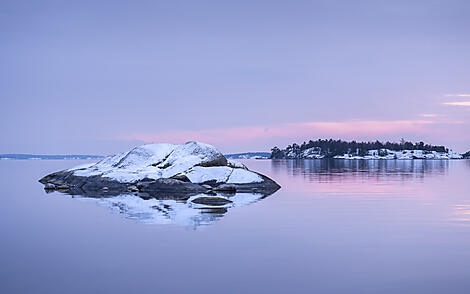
404,154
383,154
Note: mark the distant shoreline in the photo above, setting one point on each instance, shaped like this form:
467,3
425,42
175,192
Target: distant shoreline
245,155
47,157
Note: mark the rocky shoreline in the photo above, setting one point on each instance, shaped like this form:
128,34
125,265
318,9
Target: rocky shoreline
382,154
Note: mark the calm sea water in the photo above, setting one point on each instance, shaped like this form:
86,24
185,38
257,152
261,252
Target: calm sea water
334,227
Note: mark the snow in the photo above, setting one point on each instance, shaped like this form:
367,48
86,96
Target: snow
157,161
145,155
243,176
188,155
109,161
235,164
222,174
249,155
82,166
310,153
87,172
403,154
200,174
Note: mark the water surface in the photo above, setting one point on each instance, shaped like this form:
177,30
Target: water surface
334,227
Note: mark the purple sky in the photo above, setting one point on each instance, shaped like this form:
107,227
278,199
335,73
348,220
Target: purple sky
101,76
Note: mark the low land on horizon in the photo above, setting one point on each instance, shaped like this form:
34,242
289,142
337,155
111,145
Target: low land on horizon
318,149
48,157
21,156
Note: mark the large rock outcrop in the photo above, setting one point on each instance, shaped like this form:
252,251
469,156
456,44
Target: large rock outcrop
159,171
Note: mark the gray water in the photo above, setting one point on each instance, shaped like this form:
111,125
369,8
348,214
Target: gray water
334,227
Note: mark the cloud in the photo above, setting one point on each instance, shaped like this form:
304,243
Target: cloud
457,95
457,103
429,115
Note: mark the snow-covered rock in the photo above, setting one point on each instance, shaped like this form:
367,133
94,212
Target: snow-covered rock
155,168
312,153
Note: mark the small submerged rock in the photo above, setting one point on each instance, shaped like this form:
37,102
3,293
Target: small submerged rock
161,169
213,200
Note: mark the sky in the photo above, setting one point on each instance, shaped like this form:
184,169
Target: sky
98,77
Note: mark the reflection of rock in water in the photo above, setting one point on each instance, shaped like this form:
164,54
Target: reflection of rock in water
467,162
339,169
192,212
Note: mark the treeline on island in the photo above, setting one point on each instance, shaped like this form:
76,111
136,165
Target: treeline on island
330,148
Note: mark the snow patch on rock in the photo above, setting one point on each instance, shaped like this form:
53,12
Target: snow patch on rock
200,174
243,176
235,164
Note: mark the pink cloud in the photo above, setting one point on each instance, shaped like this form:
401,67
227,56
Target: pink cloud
457,95
429,115
458,103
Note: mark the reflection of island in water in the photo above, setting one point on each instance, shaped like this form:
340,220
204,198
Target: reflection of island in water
330,170
189,211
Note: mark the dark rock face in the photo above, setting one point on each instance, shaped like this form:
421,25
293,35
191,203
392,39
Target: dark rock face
169,186
96,186
142,172
226,188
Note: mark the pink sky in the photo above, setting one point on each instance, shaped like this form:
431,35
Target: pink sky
234,138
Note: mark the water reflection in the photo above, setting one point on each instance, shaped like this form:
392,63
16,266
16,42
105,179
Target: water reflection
187,211
344,236
333,170
439,187
461,213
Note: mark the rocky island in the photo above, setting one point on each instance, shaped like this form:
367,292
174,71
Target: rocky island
338,149
162,170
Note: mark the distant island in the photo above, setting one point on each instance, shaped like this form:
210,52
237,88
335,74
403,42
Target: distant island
48,157
339,149
249,155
